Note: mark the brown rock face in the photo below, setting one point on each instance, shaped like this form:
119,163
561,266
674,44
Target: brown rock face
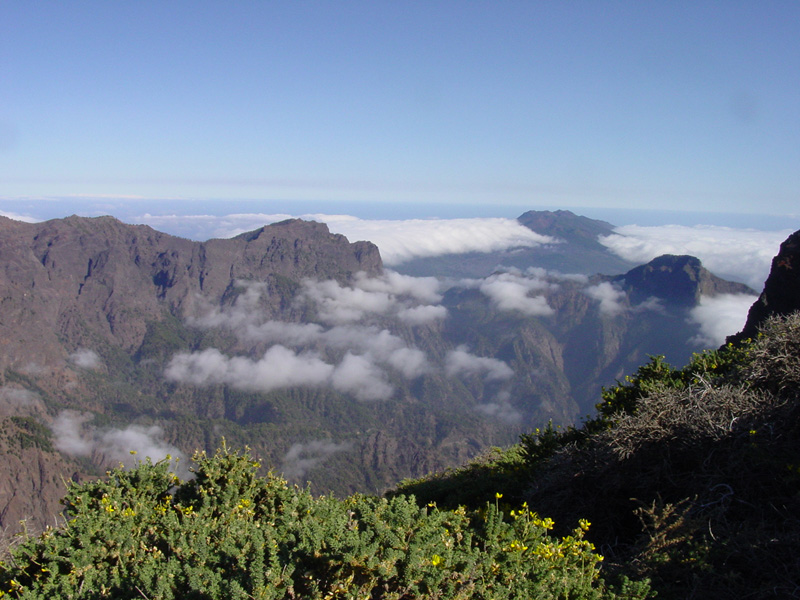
80,283
781,294
681,280
75,282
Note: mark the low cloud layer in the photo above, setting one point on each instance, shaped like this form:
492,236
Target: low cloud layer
85,359
278,368
282,368
612,299
399,240
719,317
74,435
740,254
303,457
403,240
343,350
461,362
18,217
18,401
513,291
389,294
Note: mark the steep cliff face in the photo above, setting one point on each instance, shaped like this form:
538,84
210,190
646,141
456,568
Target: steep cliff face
87,304
75,282
781,294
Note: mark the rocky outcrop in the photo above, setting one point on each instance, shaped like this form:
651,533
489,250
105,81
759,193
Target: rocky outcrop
781,294
679,280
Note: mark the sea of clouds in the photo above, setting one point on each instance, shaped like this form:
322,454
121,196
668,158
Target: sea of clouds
346,347
738,254
344,350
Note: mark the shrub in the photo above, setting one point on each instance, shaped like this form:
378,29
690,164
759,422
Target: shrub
230,534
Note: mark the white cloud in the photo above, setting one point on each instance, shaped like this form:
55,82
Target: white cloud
719,317
511,292
280,367
368,350
423,289
502,411
16,401
652,303
69,438
387,294
337,304
461,361
408,361
611,298
401,241
740,254
398,240
111,446
359,376
18,396
302,457
85,359
18,217
421,315
205,227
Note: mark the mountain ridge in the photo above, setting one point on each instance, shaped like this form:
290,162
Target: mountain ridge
396,378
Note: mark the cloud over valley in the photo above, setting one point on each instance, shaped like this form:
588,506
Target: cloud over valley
740,254
399,240
74,434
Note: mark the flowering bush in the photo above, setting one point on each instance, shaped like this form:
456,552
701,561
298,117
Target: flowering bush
230,534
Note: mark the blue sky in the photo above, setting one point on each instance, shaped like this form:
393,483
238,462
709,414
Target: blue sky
402,105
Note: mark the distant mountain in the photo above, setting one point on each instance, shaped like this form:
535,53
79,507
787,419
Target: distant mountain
301,345
577,250
566,225
679,280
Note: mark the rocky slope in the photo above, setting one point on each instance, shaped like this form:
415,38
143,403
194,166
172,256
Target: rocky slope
77,292
68,283
299,344
781,295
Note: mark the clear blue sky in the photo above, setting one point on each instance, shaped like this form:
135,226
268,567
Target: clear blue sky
679,105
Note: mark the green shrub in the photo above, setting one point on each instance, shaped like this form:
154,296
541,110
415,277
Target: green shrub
230,534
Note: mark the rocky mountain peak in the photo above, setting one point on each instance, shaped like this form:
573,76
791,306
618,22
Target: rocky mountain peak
781,294
679,279
92,280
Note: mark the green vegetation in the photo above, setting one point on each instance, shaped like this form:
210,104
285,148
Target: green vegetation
31,433
691,476
229,534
